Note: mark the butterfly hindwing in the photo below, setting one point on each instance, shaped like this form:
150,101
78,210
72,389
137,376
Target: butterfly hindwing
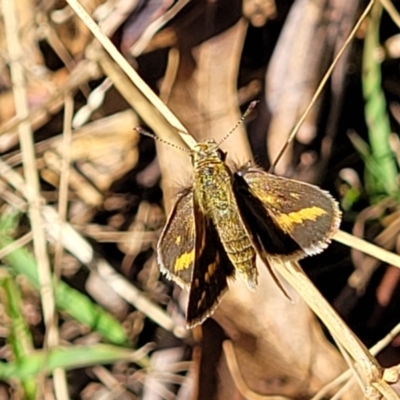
292,219
210,273
190,253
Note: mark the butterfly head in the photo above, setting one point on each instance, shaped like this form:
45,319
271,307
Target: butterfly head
208,151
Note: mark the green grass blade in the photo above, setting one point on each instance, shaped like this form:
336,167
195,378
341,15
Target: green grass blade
74,303
69,358
384,180
19,338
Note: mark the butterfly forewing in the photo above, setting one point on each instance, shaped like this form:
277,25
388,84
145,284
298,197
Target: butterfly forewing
299,211
268,238
176,247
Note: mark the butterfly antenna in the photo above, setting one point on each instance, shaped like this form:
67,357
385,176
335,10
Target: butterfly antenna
250,108
149,134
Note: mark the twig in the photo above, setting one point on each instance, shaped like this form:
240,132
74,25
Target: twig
31,175
379,346
139,46
60,389
16,54
64,178
343,378
368,248
129,71
391,10
368,365
22,241
84,71
351,365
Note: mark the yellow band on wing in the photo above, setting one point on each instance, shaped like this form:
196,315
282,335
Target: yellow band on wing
184,261
288,222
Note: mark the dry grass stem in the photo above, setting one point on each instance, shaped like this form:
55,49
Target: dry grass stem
60,377
21,242
30,171
128,70
391,10
155,26
84,71
367,364
368,248
64,178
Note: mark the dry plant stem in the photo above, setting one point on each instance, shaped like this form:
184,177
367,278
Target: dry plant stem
374,350
381,388
391,10
368,365
58,46
117,389
12,198
116,237
163,376
64,179
22,241
139,102
338,395
344,378
21,103
129,71
233,365
84,71
323,82
139,46
170,74
368,248
157,388
60,378
378,347
31,175
350,363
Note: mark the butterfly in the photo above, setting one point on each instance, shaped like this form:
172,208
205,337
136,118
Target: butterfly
218,226
227,217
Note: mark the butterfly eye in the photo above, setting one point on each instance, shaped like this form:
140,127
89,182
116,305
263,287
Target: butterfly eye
221,154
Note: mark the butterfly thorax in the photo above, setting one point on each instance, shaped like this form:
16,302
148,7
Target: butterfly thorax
213,180
215,197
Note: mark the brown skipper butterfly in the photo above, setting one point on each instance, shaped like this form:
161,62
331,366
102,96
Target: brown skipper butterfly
219,225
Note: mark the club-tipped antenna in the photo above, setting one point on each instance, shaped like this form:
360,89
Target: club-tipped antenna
149,134
250,108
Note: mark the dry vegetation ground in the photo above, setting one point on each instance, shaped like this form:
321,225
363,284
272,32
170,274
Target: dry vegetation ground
84,312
